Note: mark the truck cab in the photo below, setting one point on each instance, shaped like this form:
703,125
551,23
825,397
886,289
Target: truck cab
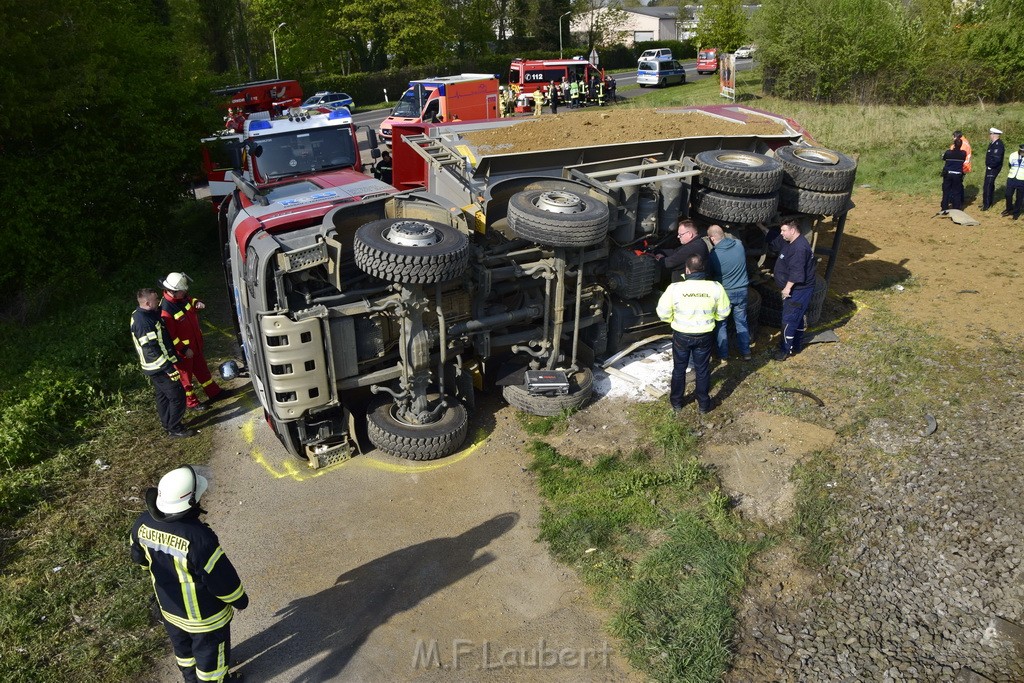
467,97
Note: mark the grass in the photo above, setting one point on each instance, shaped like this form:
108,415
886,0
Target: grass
653,534
80,444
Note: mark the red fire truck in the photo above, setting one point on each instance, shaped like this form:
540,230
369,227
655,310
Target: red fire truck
528,75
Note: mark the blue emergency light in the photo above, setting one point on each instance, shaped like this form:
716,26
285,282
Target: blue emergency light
339,113
259,125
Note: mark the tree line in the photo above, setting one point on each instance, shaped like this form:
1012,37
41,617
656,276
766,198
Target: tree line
102,103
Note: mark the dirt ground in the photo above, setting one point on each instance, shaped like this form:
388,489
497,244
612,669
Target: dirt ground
351,568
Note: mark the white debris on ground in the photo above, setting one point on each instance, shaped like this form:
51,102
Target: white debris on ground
650,366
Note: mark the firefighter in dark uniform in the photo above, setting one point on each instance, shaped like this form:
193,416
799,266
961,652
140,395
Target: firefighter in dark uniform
383,170
157,357
195,583
993,164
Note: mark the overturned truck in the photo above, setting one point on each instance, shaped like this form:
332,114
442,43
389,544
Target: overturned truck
372,312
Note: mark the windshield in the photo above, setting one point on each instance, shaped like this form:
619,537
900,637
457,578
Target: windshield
316,150
648,66
406,107
706,55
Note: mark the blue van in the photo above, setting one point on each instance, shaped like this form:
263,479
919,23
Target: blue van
659,74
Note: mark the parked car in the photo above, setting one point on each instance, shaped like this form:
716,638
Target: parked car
745,52
328,101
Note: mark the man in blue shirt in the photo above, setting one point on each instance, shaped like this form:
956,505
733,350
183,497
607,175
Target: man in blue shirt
728,263
794,275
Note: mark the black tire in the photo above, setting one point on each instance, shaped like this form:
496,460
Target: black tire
817,168
739,173
581,387
733,209
661,83
417,442
771,303
809,201
535,215
443,255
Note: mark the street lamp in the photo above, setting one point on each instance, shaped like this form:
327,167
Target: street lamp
560,32
273,39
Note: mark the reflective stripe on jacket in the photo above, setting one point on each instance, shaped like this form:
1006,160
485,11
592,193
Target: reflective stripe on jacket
694,305
182,320
152,343
194,581
1016,171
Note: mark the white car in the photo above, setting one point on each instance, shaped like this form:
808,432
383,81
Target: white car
745,52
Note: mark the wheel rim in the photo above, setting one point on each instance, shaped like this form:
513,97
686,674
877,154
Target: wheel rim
555,201
412,234
740,159
816,155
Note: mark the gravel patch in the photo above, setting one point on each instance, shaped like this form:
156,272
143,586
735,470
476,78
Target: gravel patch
931,554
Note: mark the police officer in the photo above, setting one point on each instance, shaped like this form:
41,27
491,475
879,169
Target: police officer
157,356
196,586
953,177
693,308
1015,184
794,275
993,163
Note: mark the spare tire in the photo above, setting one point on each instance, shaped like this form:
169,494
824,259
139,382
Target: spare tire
734,209
411,251
816,168
771,303
739,173
581,386
809,201
558,218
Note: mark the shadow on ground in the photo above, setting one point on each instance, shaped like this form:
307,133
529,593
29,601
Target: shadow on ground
326,629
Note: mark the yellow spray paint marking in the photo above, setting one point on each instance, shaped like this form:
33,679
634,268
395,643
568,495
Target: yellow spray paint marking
288,468
218,330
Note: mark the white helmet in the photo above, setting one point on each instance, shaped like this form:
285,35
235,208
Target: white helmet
176,282
180,490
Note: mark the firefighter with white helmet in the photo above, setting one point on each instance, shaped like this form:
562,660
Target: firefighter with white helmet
195,583
180,313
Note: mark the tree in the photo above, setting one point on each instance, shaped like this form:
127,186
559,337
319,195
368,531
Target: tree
602,23
722,24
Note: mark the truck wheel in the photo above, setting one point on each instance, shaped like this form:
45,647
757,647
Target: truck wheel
411,251
417,442
739,173
581,386
556,218
809,201
771,303
816,168
733,209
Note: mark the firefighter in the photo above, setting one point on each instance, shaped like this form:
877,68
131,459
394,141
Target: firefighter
538,101
574,94
196,586
235,121
180,313
383,168
600,92
157,357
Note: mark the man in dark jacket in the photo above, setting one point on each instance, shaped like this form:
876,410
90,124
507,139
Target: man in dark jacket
690,243
157,357
195,583
728,263
953,176
794,275
384,169
993,164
